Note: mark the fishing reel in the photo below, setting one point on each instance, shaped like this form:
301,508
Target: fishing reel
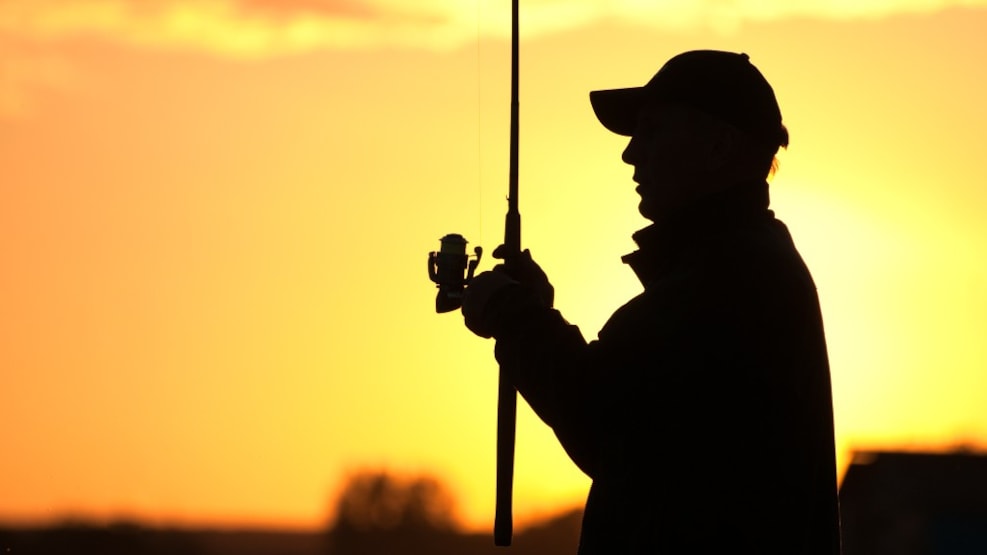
451,269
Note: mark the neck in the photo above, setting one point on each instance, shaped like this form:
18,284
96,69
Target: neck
729,203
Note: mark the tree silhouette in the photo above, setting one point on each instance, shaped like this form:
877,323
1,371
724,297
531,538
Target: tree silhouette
380,513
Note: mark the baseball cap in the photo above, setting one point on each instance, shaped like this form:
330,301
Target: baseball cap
724,85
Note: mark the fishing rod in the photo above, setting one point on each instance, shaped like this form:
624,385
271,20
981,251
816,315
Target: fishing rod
451,269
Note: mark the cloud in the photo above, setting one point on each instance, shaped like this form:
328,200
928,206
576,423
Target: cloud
235,28
252,29
26,69
727,15
33,33
262,28
335,8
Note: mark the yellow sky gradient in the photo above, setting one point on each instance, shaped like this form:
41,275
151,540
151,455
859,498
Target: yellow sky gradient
214,221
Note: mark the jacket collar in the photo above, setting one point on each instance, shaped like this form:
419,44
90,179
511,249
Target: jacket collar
663,243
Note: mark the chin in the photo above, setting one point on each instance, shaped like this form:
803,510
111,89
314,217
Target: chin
648,210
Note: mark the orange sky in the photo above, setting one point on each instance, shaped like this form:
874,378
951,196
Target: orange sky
215,215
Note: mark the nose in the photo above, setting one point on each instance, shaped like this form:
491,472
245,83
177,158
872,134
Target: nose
630,152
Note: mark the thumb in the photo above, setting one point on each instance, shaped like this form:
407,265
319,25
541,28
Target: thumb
502,252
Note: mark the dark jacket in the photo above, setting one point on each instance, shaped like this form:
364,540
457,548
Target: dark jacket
703,413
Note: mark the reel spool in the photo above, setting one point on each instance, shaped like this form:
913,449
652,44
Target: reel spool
451,269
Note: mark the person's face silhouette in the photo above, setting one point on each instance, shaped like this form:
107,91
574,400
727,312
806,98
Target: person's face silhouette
671,152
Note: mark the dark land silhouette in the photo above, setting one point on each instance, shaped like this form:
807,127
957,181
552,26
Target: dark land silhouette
893,502
377,513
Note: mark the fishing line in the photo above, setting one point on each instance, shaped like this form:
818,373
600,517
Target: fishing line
479,130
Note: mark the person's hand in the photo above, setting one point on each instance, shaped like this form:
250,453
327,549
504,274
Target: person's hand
527,272
480,302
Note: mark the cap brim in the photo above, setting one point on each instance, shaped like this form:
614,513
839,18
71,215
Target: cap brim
617,109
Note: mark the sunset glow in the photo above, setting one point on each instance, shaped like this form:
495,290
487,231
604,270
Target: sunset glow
215,216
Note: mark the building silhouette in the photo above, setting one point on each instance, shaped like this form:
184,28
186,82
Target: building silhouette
913,503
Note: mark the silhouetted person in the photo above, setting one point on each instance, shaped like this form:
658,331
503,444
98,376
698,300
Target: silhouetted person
703,412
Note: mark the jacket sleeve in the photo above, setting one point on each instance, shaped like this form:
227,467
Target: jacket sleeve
553,368
585,391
